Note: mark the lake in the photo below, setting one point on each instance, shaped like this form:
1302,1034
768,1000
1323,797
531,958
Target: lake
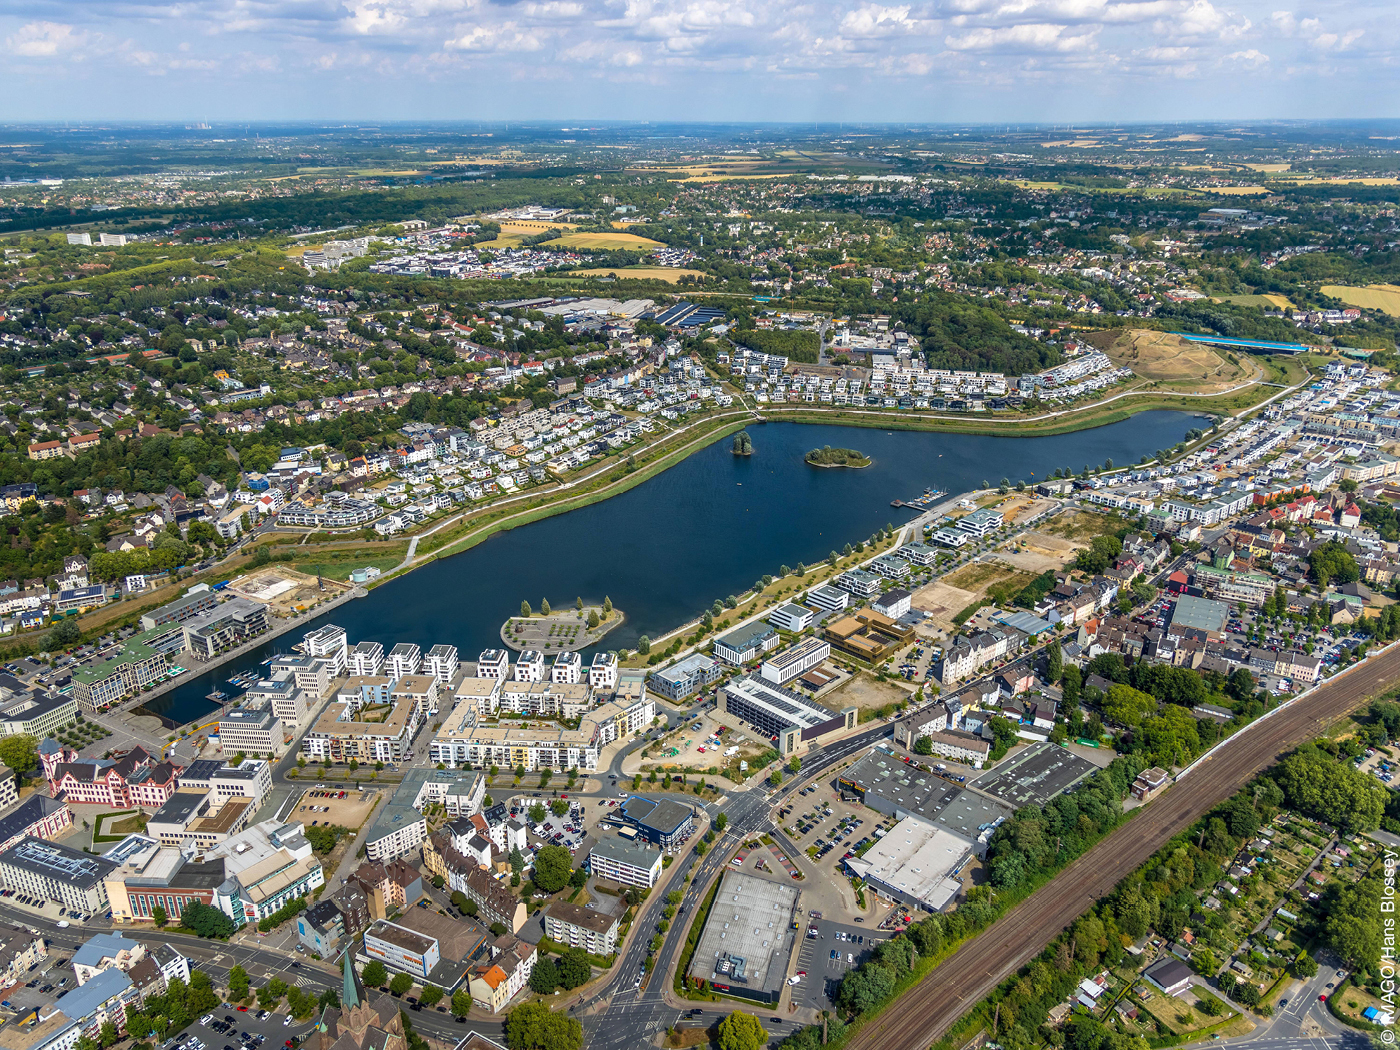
707,528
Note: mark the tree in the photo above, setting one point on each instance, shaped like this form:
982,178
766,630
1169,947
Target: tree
742,1031
206,921
923,746
559,807
644,645
534,1026
776,777
1127,706
374,974
721,822
158,916
1332,563
553,865
431,995
20,752
544,978
537,812
400,983
592,619
574,968
1304,966
1054,661
108,1033
65,633
607,605
578,604
544,606
524,608
794,765
578,878
237,980
461,1002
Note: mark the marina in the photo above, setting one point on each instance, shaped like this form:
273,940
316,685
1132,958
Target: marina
922,503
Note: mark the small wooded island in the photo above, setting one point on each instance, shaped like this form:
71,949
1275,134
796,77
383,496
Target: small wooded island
743,444
826,456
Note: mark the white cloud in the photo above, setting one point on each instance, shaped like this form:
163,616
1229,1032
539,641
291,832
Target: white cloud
1042,36
43,40
1250,59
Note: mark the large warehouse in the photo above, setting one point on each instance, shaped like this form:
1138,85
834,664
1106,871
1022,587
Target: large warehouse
790,720
916,864
748,938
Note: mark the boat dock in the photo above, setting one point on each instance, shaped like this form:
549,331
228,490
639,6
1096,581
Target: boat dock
924,502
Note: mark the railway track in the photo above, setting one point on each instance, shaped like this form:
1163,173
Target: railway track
927,1011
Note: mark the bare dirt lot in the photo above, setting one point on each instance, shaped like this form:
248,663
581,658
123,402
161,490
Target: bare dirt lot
1168,358
866,692
942,602
350,812
1017,507
285,590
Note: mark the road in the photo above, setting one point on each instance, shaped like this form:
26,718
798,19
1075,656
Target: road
926,1012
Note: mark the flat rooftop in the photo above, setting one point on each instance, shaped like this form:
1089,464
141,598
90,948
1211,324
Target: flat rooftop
917,859
1201,614
748,937
914,792
1035,775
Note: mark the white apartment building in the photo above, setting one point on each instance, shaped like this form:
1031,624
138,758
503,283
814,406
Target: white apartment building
493,663
328,642
602,673
567,668
631,863
368,659
442,663
793,618
530,666
404,658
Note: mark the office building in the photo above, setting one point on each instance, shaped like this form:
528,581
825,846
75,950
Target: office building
37,716
685,678
893,603
630,863
868,635
784,666
50,872
664,822
199,599
790,617
135,666
793,722
225,627
828,599
242,731
36,817
745,644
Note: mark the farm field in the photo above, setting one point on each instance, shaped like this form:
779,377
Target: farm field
605,240
1384,297
1266,302
669,274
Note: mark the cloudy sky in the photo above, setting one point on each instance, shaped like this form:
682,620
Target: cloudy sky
792,60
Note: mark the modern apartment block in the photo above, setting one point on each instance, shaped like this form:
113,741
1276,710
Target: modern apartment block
567,669
602,673
365,732
593,931
747,643
421,690
367,659
404,658
688,676
828,599
792,618
493,663
529,667
442,663
328,642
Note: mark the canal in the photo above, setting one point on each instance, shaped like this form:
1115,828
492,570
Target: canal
706,528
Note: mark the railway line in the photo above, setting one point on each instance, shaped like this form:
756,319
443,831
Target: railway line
927,1011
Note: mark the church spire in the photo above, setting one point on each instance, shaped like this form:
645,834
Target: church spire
350,994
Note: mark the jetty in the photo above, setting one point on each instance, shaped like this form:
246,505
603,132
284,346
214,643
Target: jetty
924,502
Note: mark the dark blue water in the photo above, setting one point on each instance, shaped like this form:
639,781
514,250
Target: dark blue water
702,530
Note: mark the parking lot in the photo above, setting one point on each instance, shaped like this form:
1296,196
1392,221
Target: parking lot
53,977
836,948
240,1028
326,804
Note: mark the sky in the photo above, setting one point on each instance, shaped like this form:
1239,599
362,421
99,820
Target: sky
768,60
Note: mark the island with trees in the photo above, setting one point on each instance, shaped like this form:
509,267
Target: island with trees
826,456
743,444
